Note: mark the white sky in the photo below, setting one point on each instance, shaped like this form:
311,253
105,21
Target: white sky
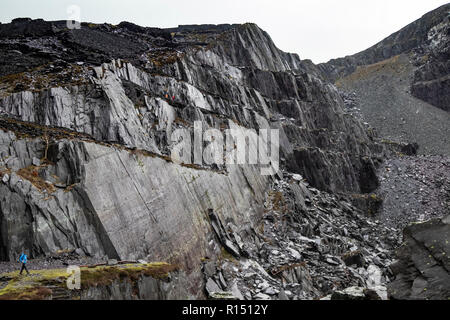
315,29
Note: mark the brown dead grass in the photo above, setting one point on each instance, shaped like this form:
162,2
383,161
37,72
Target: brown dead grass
39,79
363,72
39,293
182,121
278,270
106,275
31,174
278,201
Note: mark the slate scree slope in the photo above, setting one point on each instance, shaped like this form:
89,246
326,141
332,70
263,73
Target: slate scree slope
86,118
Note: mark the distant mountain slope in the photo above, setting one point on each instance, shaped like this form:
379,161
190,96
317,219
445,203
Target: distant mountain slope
403,82
383,91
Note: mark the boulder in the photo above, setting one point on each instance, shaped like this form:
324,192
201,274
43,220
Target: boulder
36,162
261,296
112,262
212,287
422,269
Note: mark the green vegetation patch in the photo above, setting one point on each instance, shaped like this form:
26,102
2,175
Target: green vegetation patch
39,284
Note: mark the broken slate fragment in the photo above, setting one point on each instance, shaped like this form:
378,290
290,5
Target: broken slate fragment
354,258
355,293
212,287
261,296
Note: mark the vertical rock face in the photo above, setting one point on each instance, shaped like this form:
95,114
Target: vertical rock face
99,110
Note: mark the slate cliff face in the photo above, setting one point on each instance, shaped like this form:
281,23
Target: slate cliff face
87,116
422,269
97,192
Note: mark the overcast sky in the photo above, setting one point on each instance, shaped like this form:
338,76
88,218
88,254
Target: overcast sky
316,29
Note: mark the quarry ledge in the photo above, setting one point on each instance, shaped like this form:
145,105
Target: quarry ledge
47,284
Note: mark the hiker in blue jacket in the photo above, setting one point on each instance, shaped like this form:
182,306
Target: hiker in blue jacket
23,259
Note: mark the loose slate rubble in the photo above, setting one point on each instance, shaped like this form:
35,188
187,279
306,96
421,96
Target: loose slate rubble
414,189
311,245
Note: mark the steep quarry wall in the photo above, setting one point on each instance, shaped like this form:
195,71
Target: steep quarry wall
85,165
427,31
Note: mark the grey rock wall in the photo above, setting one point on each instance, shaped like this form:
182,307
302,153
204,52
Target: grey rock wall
144,288
108,187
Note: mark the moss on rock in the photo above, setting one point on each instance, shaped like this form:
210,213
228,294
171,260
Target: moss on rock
41,284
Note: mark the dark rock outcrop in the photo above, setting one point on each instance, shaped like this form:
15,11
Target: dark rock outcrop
432,78
423,267
401,85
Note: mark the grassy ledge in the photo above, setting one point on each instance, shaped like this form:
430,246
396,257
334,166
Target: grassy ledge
42,284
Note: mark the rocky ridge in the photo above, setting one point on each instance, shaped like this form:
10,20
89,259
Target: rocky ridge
426,37
402,84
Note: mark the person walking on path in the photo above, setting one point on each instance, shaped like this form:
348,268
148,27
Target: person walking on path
23,259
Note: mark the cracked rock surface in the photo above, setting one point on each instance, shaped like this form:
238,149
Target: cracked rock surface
86,123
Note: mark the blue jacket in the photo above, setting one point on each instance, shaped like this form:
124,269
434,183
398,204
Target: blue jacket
23,258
